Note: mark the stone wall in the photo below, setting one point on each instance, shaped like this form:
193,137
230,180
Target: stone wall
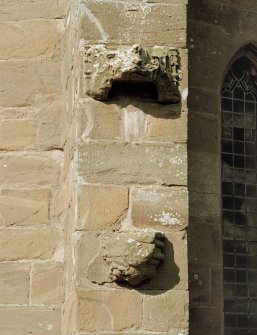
217,30
32,137
129,174
75,170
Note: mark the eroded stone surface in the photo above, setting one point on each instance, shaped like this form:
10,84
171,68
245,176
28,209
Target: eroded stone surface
158,65
127,257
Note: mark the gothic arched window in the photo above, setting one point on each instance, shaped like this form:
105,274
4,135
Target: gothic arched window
239,193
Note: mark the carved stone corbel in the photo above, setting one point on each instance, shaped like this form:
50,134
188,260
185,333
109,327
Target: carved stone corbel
159,65
127,257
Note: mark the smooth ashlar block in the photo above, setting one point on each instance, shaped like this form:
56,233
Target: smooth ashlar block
47,284
162,208
14,283
101,207
133,163
24,207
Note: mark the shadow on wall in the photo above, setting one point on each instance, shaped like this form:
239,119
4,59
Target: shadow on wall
144,96
206,59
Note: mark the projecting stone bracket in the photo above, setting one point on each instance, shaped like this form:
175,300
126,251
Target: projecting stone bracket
158,65
127,257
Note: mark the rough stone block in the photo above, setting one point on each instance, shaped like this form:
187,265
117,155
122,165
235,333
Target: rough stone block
100,120
29,38
47,284
17,134
161,208
23,80
127,257
104,66
11,10
14,283
24,207
133,163
115,310
30,169
30,320
101,207
164,311
27,244
152,25
52,126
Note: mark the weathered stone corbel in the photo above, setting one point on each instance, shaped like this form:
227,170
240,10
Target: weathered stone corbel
127,257
158,65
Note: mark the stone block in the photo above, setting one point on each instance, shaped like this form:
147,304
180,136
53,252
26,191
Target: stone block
204,207
160,208
30,169
14,283
47,284
209,12
206,320
199,284
17,134
169,129
30,320
134,122
19,113
23,80
204,167
216,294
52,126
27,244
166,310
204,132
117,310
28,39
87,248
101,207
104,66
133,163
127,257
11,10
69,316
24,207
209,251
202,101
100,120
162,24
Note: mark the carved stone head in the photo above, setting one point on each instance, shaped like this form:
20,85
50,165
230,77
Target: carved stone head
127,257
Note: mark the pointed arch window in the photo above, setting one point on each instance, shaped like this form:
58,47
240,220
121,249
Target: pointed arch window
239,197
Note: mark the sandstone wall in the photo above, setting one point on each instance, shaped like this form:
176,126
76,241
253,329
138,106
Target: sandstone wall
130,172
216,31
74,169
32,137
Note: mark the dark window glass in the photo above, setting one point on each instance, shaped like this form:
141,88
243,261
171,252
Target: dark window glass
239,203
